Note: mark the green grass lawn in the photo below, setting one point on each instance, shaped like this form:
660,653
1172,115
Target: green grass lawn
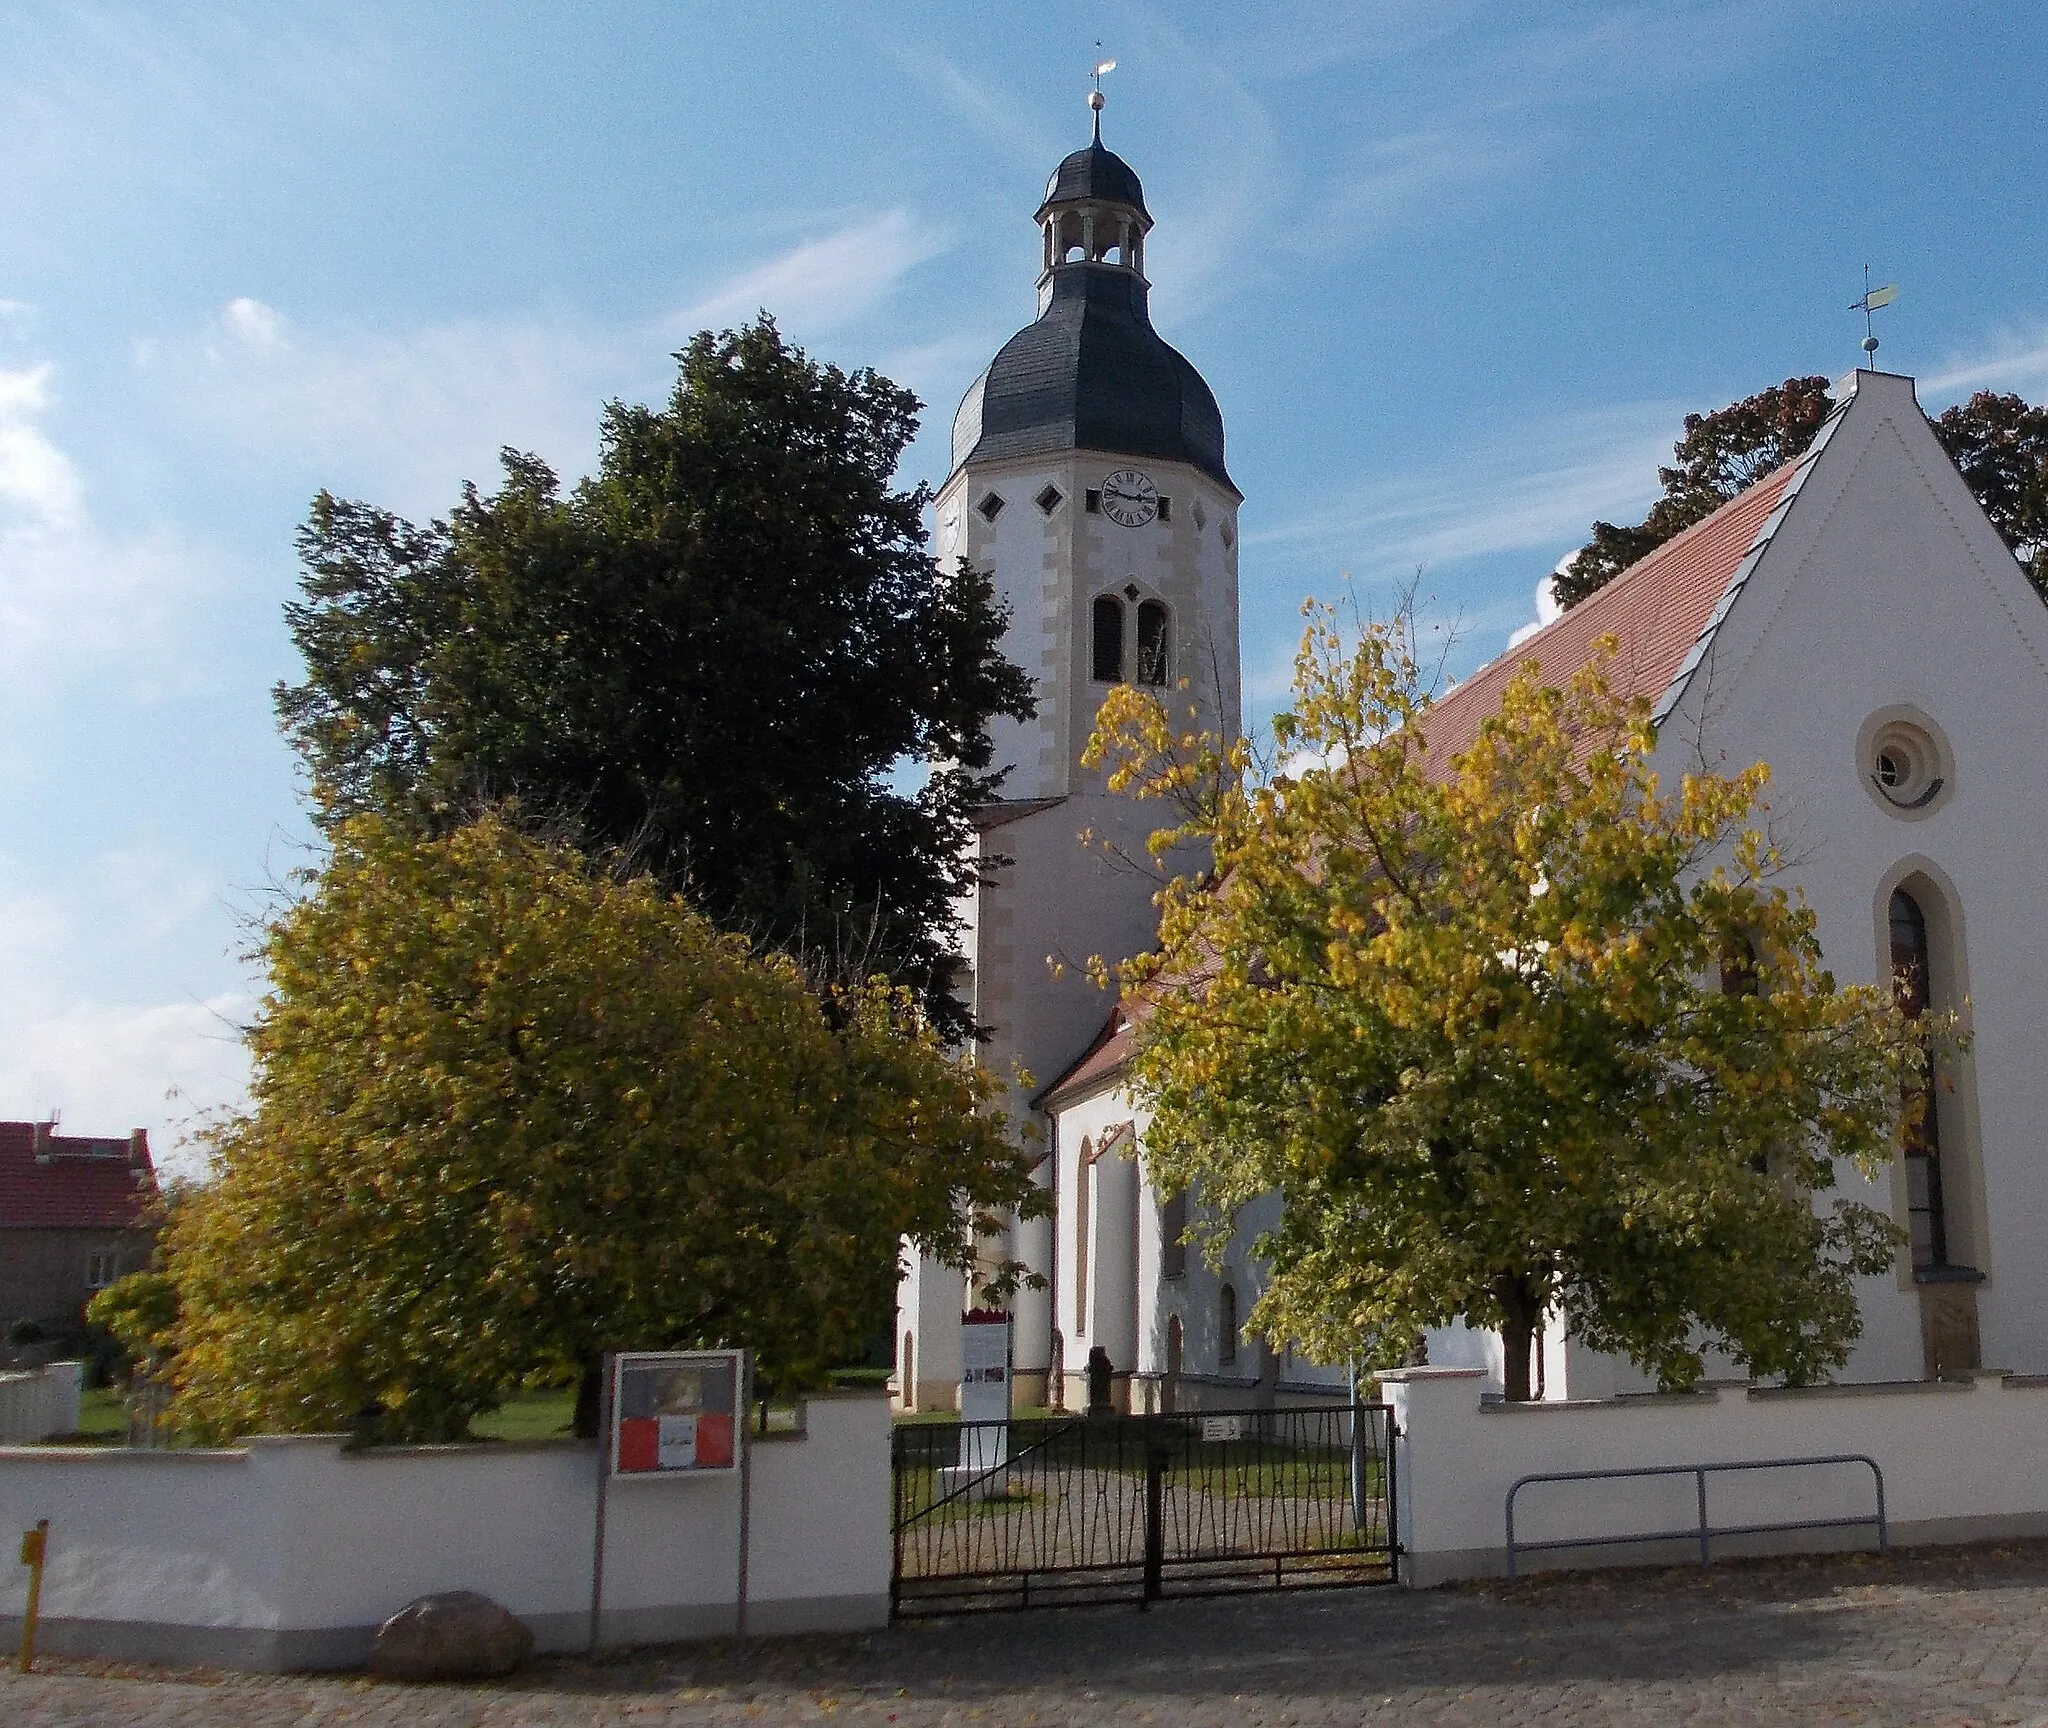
529,1416
102,1419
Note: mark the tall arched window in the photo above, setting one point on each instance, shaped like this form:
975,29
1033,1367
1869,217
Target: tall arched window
1173,1236
1926,1215
1226,1325
1152,643
1082,1165
1108,657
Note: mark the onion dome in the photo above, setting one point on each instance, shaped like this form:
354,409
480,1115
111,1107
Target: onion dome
1091,373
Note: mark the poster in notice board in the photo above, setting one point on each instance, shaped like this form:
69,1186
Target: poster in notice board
675,1411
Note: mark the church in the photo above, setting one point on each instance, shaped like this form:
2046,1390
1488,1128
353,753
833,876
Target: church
1852,619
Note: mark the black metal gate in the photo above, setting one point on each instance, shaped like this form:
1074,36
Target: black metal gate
1136,1508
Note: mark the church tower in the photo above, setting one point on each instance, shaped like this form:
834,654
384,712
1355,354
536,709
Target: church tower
1088,476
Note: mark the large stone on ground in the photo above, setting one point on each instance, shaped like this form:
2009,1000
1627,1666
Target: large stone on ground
456,1635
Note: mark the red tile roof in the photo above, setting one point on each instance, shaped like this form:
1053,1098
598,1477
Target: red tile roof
1106,1056
52,1181
1657,610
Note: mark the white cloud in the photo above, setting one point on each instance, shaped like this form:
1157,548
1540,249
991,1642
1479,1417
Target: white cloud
35,476
821,284
1547,608
106,1068
72,595
2015,360
405,416
1549,485
255,323
1004,123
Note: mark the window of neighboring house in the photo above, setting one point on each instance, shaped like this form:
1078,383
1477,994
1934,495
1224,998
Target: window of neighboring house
1108,657
1226,1325
1082,1165
1152,643
102,1267
1926,1215
1173,1236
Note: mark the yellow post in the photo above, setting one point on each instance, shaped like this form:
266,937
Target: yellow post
34,1545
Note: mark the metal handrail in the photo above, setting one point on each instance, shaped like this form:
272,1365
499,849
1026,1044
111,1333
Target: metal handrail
1704,1532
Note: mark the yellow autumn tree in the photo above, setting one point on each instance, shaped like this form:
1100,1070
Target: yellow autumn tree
1512,1031
510,1111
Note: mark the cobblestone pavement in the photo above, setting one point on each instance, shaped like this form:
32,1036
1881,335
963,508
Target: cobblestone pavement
1948,1636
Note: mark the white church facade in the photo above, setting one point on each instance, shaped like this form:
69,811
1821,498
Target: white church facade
1853,620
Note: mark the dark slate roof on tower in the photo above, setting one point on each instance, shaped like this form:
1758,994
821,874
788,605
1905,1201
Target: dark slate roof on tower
1094,172
1092,374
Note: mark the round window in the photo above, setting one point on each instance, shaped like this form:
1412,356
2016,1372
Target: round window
1905,762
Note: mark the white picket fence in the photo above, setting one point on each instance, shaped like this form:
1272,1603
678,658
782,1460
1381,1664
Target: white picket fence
40,1403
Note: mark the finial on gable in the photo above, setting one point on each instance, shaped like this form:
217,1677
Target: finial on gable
1873,299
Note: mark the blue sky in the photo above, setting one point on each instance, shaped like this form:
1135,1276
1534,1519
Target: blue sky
1454,271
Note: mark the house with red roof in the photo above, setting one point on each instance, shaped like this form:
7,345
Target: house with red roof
1854,621
76,1212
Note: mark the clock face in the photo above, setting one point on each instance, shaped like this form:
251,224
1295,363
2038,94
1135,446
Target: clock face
1130,498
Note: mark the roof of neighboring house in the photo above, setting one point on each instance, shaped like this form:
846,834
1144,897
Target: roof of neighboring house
51,1181
1662,611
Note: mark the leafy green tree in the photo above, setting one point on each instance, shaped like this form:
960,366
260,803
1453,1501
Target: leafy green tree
718,651
1721,454
509,1111
1512,1033
140,1311
2000,446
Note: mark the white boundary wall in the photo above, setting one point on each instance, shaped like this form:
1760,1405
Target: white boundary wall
1963,1460
39,1402
289,1552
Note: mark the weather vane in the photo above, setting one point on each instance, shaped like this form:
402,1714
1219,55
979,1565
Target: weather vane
1872,299
1095,95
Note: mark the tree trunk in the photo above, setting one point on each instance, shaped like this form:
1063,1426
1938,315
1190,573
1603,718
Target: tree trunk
589,1398
1521,1310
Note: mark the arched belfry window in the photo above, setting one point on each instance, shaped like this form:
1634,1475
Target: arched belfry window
1912,967
1108,657
1153,646
1226,1325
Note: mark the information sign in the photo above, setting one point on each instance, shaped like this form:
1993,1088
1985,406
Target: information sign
984,1404
675,1410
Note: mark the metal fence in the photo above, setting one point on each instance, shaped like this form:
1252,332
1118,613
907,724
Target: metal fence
1136,1508
1701,1532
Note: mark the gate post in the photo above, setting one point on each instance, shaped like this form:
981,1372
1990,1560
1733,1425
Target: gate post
1156,1460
